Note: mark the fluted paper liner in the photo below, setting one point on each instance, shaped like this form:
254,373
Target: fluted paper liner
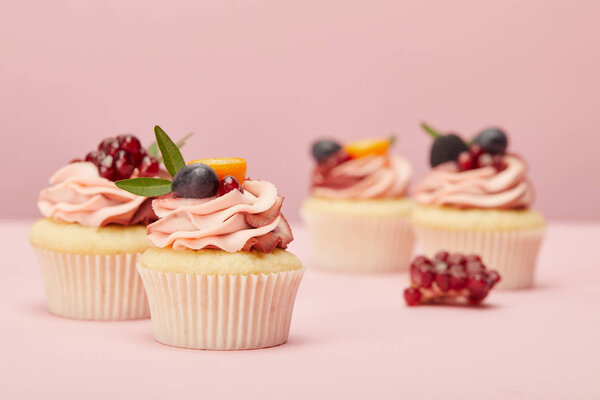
360,243
90,286
221,312
512,253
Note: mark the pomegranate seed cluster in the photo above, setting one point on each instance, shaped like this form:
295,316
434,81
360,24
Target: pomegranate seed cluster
477,157
449,278
119,157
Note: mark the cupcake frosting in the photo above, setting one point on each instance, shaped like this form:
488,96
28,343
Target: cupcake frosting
79,194
368,177
233,222
484,188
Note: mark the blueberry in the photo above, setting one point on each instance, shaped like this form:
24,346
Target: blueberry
195,181
493,141
324,149
446,148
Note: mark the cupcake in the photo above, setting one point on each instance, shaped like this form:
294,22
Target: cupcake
217,274
357,214
477,199
93,232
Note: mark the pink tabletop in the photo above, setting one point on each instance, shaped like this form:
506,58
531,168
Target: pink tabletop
352,338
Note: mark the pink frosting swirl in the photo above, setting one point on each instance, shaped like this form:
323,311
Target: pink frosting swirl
79,194
486,188
364,178
232,222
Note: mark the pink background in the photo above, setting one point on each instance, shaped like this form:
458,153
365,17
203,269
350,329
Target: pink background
261,79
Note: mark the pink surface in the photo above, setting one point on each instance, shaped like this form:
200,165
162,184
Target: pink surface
261,79
351,338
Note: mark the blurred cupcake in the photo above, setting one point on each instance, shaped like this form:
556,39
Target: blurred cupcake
93,232
477,199
358,215
217,275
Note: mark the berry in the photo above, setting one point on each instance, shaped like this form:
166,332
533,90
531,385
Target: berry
446,148
486,160
196,181
465,161
109,145
228,184
324,149
148,166
123,164
450,278
412,296
492,140
130,144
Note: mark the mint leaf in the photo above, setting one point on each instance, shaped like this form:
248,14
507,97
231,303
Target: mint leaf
147,187
430,130
172,158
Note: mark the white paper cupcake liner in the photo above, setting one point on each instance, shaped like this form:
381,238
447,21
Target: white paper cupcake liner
90,286
512,253
221,312
360,243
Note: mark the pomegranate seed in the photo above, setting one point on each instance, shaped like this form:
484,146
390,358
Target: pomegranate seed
441,256
475,266
476,151
123,164
485,160
110,146
476,298
458,277
456,258
130,144
442,281
412,296
465,161
140,157
95,157
424,276
148,166
493,277
105,168
228,184
473,257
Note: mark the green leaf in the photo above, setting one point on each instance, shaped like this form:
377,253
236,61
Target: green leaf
172,158
153,148
393,139
430,130
147,187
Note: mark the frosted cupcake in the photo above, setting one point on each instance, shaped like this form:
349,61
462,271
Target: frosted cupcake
93,233
358,215
477,199
217,274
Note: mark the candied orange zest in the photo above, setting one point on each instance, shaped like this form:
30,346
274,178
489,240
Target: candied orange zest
368,147
233,166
